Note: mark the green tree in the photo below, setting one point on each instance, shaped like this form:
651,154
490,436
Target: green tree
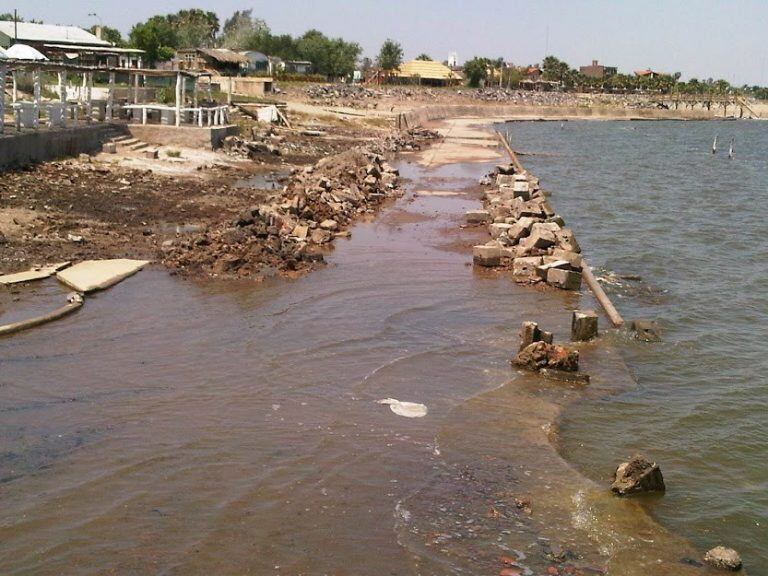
476,71
425,57
390,55
331,57
111,35
241,29
555,70
195,28
157,37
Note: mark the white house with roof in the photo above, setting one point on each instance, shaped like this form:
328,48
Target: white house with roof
68,44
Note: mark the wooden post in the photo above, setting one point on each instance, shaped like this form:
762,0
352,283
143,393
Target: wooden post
194,93
110,96
144,115
15,93
183,94
36,91
229,91
135,88
178,99
210,90
88,98
2,99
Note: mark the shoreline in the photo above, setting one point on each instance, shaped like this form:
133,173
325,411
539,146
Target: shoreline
620,518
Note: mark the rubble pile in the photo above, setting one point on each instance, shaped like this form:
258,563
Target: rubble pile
538,353
527,235
347,95
286,232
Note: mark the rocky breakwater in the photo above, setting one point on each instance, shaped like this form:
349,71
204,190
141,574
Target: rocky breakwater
527,236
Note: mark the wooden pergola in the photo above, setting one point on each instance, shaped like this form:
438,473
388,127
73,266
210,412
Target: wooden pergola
215,116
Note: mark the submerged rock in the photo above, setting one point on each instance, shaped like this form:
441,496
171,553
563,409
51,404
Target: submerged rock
637,475
723,558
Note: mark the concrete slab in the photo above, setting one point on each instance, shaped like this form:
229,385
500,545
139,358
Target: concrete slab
33,274
93,275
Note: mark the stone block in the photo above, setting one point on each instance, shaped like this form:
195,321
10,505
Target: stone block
583,325
109,148
543,269
151,154
539,238
564,279
526,266
478,216
575,260
486,255
504,180
566,240
497,229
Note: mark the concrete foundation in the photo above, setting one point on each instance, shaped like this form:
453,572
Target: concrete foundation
30,147
209,137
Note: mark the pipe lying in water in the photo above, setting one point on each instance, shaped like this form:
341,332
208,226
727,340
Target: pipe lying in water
74,302
586,273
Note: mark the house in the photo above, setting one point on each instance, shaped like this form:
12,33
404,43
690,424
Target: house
221,61
257,61
648,73
427,72
533,73
598,71
297,66
68,44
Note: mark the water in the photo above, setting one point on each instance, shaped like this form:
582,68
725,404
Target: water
178,427
651,199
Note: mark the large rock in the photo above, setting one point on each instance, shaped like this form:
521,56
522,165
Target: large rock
478,216
485,255
545,355
564,279
646,330
637,475
583,325
526,266
723,558
566,240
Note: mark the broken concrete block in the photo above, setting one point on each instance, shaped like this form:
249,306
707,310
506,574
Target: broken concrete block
497,229
329,225
485,255
320,236
300,231
478,216
151,154
545,267
526,266
504,180
564,279
637,475
573,258
539,238
551,226
583,325
529,333
566,240
541,354
646,330
109,148
723,558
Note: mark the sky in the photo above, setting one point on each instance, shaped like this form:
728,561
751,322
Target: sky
699,38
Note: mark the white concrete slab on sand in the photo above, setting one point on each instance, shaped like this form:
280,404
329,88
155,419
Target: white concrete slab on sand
38,273
93,275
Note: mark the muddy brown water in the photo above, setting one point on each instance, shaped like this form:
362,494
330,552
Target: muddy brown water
178,427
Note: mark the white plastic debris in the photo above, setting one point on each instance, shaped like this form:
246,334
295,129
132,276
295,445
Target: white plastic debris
407,409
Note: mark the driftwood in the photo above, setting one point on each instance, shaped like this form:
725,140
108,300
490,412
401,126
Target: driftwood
75,301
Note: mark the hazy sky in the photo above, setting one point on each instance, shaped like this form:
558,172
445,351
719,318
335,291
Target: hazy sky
699,38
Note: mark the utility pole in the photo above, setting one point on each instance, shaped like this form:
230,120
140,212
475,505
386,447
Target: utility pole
15,26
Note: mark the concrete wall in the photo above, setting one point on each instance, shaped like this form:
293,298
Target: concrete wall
208,138
420,116
48,144
246,86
